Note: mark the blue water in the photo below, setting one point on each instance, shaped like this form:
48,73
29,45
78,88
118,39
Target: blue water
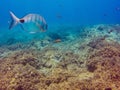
71,11
57,13
79,48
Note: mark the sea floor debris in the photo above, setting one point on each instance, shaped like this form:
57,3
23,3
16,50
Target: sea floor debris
91,62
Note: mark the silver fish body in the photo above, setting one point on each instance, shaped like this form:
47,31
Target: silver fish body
36,20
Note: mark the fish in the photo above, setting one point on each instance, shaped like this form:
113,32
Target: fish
105,14
117,8
59,16
29,21
57,40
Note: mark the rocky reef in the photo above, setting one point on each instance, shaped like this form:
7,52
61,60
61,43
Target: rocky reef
89,62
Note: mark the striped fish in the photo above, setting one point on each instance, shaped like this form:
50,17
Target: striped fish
36,20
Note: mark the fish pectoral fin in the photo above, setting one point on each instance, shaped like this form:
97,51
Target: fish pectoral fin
23,28
41,28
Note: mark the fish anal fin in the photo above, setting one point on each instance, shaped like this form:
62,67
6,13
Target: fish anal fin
22,27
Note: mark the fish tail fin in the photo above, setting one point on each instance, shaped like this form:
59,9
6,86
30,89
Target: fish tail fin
15,20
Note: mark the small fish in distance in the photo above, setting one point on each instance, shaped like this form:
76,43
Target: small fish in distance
38,21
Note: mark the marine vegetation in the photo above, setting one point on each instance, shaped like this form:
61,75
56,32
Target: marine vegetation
89,62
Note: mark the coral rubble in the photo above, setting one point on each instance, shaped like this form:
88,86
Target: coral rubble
84,64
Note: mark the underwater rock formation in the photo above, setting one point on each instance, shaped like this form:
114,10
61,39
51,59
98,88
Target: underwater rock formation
90,64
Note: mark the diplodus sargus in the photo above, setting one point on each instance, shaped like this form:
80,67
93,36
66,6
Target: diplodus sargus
32,22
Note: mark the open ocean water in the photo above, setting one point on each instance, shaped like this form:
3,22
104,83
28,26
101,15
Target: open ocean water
60,45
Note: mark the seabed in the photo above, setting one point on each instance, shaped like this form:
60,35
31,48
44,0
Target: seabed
72,58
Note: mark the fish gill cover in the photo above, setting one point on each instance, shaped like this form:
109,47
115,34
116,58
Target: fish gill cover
78,50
